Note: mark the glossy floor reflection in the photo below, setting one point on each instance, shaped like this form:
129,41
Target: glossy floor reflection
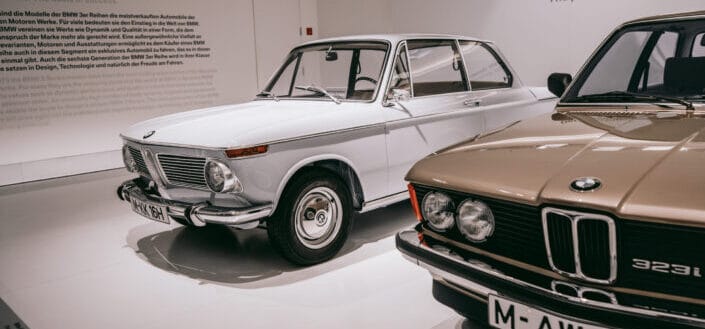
73,256
244,258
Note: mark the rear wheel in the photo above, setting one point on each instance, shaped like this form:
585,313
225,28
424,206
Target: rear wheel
313,218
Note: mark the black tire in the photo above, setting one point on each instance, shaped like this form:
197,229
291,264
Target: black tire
293,237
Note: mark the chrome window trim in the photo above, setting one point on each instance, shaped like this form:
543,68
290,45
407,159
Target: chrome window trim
454,47
575,217
487,46
400,45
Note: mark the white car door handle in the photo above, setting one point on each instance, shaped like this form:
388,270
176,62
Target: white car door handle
472,102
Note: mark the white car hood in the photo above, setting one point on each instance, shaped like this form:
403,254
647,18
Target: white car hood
249,123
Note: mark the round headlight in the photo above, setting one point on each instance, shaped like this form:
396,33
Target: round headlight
438,210
128,160
220,178
475,220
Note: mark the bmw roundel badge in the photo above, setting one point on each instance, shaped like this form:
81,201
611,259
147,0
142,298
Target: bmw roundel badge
585,184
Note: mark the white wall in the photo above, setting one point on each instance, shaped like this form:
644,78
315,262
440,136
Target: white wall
277,29
248,39
538,36
71,122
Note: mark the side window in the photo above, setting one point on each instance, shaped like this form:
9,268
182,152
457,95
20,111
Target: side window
400,74
436,67
485,70
698,46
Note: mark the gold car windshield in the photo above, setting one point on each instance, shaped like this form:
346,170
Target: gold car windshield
646,62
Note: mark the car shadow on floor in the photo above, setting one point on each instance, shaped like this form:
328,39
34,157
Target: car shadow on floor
245,259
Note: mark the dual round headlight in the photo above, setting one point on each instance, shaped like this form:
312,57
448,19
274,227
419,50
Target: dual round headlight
128,160
473,218
439,211
220,178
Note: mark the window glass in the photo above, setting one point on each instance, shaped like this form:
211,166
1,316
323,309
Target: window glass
435,67
315,70
698,47
368,74
659,59
343,70
400,75
484,69
281,89
665,49
615,69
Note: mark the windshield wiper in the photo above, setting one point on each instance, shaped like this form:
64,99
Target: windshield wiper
318,90
625,95
268,94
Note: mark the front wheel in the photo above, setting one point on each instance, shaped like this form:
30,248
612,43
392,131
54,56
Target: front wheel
312,220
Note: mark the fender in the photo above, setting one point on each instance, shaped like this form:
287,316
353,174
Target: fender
307,161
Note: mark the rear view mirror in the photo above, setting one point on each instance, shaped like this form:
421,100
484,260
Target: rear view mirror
331,56
558,82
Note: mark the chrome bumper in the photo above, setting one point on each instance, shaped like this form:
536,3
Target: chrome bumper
441,263
198,214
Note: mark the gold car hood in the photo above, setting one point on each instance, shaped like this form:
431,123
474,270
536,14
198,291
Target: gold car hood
651,164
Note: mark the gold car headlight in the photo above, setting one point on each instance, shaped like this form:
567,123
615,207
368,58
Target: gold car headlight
438,209
475,220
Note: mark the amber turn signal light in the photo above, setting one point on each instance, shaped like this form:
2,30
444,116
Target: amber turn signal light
247,151
414,202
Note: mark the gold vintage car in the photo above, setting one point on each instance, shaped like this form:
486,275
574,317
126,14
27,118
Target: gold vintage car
590,217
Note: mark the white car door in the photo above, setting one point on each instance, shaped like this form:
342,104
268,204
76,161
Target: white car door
426,105
495,90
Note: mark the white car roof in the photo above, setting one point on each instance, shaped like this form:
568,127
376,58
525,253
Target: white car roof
392,38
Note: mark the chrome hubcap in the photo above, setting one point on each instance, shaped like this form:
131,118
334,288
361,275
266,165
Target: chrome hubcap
318,217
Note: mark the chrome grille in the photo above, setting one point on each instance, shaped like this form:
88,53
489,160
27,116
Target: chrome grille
581,245
139,160
183,170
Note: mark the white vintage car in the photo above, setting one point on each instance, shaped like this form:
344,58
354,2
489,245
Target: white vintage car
333,133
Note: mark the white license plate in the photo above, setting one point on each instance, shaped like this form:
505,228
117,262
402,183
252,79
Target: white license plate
507,314
150,210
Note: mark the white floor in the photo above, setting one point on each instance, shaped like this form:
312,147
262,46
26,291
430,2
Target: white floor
73,256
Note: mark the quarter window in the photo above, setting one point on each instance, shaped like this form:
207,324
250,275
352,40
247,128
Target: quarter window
436,67
400,74
485,70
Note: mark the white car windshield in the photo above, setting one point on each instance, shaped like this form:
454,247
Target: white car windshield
335,71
